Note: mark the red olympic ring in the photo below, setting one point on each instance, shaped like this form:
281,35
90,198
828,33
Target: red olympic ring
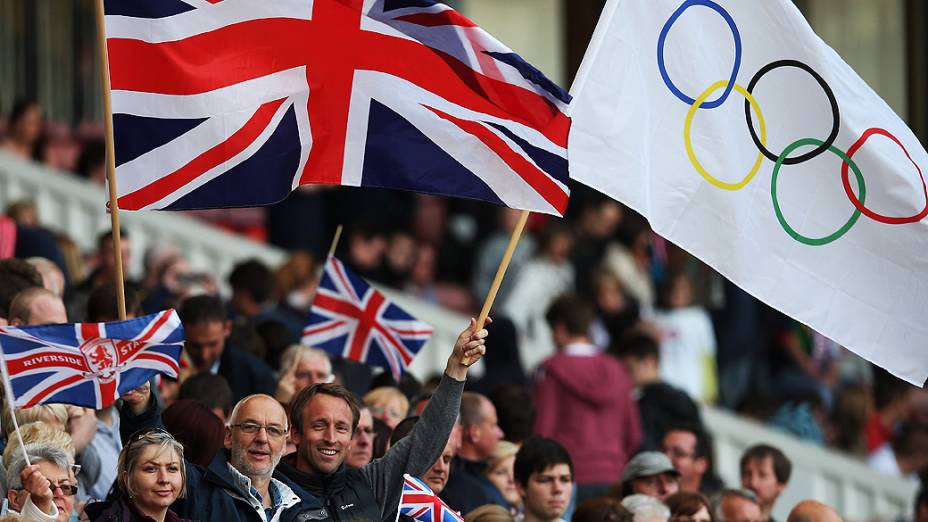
860,206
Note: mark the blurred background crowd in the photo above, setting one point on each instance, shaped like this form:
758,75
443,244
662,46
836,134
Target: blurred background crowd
685,336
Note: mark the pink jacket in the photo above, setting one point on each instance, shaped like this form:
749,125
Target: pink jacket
585,403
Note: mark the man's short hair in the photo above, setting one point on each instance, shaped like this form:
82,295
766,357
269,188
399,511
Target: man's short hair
21,305
727,493
703,449
305,396
572,311
107,235
782,467
40,452
212,390
637,345
403,429
16,275
472,408
102,305
538,454
201,309
253,278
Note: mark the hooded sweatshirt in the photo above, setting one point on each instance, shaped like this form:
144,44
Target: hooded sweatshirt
584,402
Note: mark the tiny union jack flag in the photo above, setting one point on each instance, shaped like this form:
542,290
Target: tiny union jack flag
419,503
225,103
352,320
89,364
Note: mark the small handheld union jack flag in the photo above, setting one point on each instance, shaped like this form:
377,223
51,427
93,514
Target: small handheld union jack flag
352,320
89,364
419,503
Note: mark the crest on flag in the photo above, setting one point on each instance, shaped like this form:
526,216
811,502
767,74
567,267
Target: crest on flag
234,103
352,320
89,364
420,503
101,357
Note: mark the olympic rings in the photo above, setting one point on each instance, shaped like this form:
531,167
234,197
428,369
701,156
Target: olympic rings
835,115
751,104
776,204
689,145
663,37
859,204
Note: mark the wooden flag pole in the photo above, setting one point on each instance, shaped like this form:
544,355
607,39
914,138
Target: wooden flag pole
338,235
111,163
8,391
500,272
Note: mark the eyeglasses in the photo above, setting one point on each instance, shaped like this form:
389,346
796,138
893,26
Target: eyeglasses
253,427
68,490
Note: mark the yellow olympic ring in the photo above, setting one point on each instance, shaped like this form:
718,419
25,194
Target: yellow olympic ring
689,145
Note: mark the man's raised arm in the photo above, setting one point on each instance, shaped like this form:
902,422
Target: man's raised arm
416,453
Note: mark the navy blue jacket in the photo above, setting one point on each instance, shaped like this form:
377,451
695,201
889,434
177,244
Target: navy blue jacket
211,495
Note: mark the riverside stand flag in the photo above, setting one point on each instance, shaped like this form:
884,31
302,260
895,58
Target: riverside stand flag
237,102
746,140
89,364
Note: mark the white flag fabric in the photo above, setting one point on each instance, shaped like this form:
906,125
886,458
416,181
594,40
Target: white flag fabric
746,140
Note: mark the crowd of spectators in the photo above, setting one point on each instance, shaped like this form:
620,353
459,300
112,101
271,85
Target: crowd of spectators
607,341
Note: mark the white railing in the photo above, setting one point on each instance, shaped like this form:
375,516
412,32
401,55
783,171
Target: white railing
71,205
850,486
74,206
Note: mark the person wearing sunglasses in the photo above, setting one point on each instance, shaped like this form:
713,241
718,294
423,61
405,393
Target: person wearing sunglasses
43,491
150,476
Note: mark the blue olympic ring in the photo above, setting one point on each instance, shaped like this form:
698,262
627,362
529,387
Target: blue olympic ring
660,53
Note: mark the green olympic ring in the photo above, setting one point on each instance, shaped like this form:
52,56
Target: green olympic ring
776,205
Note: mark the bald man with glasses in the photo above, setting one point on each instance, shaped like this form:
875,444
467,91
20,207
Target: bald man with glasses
242,482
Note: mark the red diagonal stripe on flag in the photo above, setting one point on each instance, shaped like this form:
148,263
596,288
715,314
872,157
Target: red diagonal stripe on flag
222,152
449,17
52,389
323,328
538,180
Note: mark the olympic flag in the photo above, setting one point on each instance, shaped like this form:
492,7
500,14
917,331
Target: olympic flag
749,142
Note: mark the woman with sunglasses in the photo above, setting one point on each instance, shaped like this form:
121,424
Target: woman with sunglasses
150,477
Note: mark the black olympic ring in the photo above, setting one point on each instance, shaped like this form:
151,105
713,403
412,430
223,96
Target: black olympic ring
836,117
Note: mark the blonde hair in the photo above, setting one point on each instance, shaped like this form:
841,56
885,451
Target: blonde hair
37,432
297,352
50,413
129,457
504,450
382,395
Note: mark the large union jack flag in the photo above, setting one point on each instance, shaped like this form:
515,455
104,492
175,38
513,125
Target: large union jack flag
420,503
237,102
89,364
352,320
